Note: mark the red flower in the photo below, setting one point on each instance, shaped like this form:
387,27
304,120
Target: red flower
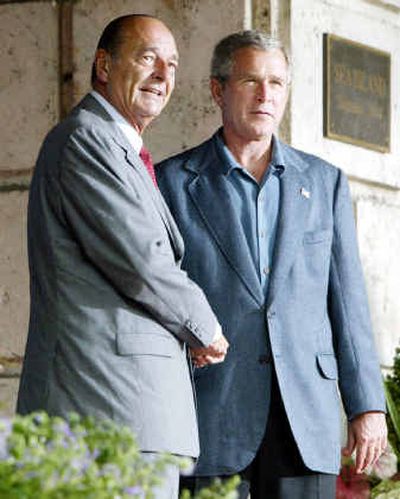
350,485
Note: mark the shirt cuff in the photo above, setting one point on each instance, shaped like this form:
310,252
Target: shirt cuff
218,333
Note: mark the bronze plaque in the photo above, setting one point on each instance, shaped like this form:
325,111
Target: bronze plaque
356,93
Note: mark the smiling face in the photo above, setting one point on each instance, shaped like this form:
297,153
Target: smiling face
254,97
138,80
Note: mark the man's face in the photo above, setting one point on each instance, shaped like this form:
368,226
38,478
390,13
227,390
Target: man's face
254,97
139,79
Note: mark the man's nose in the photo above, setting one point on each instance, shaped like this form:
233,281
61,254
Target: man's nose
161,70
264,92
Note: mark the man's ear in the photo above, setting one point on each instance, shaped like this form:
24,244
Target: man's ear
216,88
102,63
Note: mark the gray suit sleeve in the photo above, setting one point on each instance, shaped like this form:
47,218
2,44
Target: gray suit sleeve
359,375
122,234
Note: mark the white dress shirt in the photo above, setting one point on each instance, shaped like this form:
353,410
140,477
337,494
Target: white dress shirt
126,128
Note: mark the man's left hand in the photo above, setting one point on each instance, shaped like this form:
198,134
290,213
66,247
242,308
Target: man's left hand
213,354
367,435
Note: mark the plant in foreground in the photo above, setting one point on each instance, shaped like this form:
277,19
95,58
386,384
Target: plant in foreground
392,392
79,458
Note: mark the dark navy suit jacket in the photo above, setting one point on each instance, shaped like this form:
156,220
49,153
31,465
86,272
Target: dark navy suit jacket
314,321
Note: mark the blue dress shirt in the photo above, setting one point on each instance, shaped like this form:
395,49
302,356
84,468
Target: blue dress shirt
257,204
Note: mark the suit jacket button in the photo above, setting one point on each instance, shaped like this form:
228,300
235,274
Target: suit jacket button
265,359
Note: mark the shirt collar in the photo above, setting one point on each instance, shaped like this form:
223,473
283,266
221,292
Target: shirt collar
277,158
126,128
229,163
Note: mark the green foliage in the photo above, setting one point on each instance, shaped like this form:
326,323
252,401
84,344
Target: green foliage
81,458
394,415
217,490
392,387
387,489
53,458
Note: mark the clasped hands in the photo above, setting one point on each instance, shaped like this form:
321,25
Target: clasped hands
213,354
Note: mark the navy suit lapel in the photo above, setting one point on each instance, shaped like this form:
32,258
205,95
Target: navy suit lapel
294,207
210,194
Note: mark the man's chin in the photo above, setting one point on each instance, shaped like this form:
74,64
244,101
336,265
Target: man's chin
150,112
260,134
143,117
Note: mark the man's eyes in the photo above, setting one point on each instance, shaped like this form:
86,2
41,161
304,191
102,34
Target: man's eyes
148,58
277,82
250,80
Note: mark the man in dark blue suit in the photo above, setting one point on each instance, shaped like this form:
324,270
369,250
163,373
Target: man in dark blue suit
270,237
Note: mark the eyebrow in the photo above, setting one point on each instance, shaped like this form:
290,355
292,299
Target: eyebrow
175,57
256,76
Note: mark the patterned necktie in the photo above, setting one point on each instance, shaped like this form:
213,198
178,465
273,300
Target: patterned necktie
145,156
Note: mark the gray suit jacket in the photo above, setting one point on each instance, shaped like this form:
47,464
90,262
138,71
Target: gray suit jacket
111,310
313,323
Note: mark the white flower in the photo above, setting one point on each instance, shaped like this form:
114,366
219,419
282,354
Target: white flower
386,466
5,430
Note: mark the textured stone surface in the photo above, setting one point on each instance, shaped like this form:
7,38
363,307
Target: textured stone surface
14,296
8,395
378,225
14,301
364,23
28,80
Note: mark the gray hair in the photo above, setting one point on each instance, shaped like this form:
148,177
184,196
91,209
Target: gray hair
222,59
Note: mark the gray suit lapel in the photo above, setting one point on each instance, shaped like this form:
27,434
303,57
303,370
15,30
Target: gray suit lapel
92,105
293,212
210,194
134,160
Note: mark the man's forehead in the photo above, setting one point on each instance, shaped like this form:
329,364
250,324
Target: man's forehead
252,58
148,33
244,53
143,44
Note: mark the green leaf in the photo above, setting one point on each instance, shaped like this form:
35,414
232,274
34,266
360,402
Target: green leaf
393,412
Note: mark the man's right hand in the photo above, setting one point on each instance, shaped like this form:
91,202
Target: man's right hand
213,354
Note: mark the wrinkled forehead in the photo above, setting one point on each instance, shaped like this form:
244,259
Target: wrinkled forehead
144,33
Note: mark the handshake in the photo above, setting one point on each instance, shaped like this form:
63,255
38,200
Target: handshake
213,354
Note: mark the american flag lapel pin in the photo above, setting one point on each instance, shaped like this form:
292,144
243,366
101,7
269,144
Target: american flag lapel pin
305,193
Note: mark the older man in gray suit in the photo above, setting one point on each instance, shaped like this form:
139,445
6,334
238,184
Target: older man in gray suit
111,310
270,237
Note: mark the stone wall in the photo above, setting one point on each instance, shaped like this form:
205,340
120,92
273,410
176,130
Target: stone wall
28,108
